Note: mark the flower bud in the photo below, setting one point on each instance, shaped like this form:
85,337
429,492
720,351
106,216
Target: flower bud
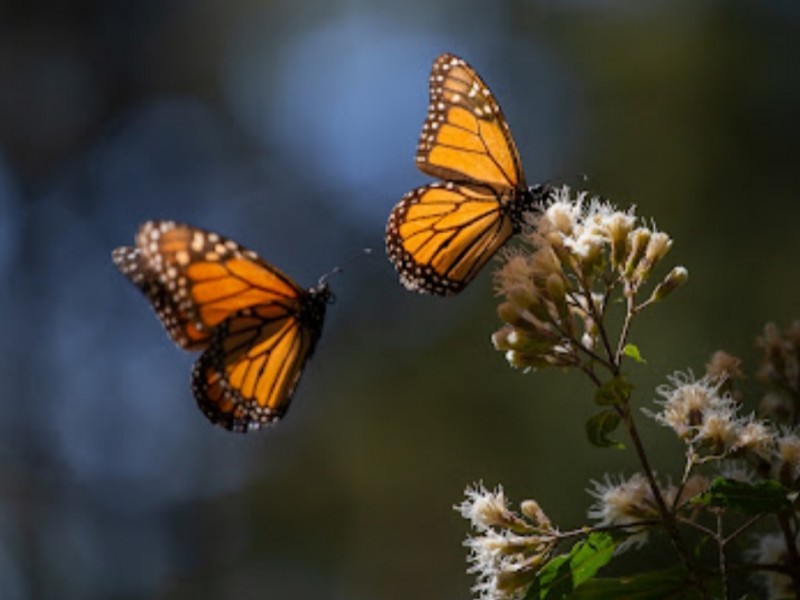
512,314
500,338
529,343
637,246
561,217
544,262
757,437
724,366
557,294
594,258
588,341
522,360
658,246
534,512
556,288
618,226
523,296
674,279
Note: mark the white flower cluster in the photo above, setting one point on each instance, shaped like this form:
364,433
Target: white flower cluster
770,549
709,421
582,254
508,549
631,504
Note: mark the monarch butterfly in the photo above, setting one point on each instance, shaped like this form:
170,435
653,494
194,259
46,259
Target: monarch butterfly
256,327
440,235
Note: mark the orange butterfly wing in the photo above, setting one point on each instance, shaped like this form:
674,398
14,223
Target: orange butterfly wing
439,236
195,279
258,327
246,378
175,319
465,136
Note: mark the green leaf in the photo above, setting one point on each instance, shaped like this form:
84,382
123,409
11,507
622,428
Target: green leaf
670,584
615,392
632,351
562,574
600,426
748,498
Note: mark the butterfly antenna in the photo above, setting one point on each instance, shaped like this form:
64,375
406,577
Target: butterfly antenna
340,269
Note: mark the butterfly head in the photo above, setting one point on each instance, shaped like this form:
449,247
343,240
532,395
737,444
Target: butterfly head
314,304
322,293
534,199
536,196
530,200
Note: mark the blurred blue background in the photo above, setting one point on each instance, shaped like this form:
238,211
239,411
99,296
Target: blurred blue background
291,127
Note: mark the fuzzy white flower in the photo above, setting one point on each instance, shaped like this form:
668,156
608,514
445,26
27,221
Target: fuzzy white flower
484,508
509,550
719,429
788,448
688,402
704,417
771,549
582,253
620,501
756,436
738,471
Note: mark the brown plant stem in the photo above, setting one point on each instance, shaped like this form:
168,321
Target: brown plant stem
584,531
668,518
626,325
623,409
720,539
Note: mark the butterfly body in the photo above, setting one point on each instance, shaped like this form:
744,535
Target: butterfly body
256,327
440,235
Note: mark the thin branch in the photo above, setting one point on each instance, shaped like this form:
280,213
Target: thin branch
572,340
585,531
687,469
721,551
626,324
598,319
736,532
694,524
591,374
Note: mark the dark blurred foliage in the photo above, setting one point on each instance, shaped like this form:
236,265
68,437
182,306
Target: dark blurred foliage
291,127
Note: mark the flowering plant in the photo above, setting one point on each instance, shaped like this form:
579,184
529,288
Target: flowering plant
733,511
